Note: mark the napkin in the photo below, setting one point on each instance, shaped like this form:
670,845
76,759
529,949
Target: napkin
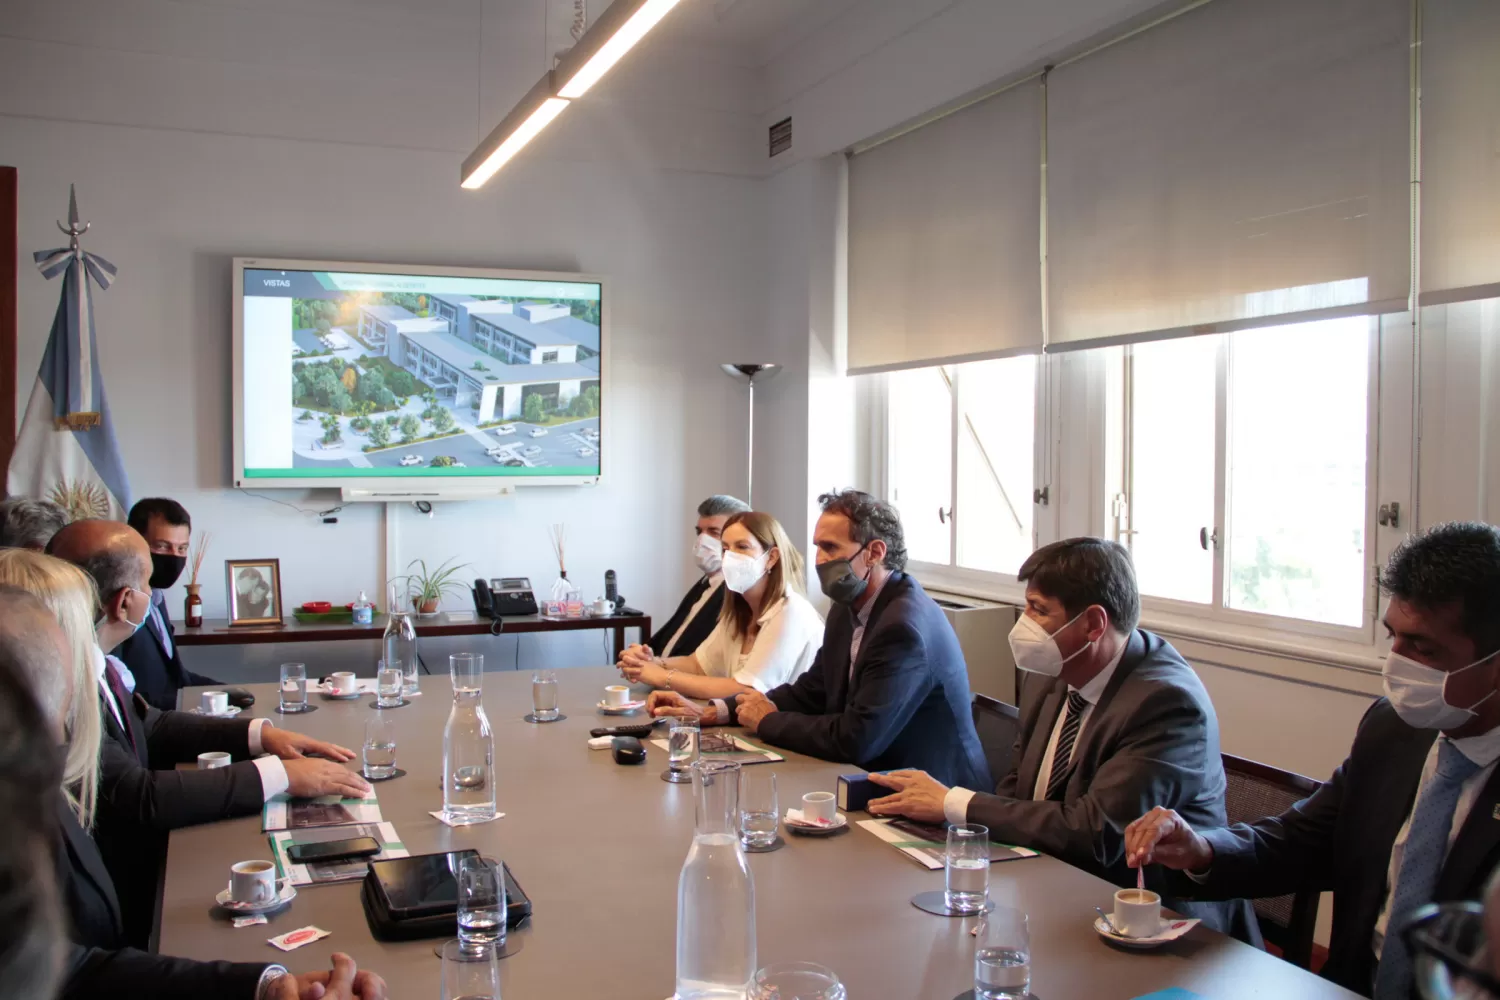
795,816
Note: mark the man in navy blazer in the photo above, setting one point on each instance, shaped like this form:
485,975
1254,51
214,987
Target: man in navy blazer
889,688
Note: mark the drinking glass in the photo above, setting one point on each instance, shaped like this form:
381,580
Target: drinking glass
796,981
293,687
388,682
544,695
682,744
378,755
966,885
481,903
467,671
1002,956
470,975
759,813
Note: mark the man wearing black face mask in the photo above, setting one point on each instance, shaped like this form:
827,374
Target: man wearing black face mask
151,654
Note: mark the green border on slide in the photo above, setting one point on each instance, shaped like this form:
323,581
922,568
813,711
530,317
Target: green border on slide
421,472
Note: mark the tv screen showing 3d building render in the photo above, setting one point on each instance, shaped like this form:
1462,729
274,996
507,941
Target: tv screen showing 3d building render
352,374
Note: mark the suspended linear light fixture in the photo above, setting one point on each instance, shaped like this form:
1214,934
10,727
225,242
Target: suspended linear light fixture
605,43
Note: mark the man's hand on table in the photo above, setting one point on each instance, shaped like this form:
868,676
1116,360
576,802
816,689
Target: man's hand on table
1164,838
344,982
919,796
290,746
308,777
670,703
752,707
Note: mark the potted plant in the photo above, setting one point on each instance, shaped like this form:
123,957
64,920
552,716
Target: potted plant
427,587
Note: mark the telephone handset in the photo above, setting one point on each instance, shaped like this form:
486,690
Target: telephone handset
484,601
507,595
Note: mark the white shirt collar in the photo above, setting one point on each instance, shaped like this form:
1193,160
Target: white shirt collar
1483,749
715,578
1092,691
99,667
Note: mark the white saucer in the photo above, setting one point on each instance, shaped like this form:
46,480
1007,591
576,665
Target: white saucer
625,709
1170,931
341,697
288,893
228,713
817,829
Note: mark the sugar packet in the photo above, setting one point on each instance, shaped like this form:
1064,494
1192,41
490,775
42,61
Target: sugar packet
258,918
292,940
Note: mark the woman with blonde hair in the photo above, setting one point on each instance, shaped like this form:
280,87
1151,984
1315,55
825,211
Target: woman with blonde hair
68,592
768,632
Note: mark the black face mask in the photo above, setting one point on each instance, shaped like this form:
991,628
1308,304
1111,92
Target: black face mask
165,569
838,581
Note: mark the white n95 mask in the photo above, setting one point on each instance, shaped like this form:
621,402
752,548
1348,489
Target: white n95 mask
741,572
1416,692
1037,651
707,553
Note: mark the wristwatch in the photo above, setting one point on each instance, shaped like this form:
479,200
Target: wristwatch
269,975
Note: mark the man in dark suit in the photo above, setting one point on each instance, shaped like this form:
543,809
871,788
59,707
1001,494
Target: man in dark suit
141,794
1412,816
1113,721
698,611
889,688
151,653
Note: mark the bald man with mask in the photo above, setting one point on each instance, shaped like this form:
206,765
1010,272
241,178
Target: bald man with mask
141,794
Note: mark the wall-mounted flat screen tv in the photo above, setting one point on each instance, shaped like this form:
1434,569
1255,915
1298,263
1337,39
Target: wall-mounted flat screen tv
378,377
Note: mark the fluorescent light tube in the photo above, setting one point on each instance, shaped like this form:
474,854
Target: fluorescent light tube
620,28
535,111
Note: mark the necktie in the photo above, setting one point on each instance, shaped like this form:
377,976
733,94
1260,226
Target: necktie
1422,859
122,699
1063,757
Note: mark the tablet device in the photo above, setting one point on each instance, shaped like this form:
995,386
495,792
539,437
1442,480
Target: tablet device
427,885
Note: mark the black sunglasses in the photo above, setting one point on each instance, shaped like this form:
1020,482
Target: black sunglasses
1448,936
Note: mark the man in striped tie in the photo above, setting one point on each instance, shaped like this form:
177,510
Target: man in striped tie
1113,721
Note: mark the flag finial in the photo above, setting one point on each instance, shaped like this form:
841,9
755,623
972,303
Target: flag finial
73,229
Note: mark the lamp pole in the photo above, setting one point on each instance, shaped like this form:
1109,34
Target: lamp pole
750,374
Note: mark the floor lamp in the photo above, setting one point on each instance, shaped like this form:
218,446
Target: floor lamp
751,374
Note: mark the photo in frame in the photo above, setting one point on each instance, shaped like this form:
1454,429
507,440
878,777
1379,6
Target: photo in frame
254,591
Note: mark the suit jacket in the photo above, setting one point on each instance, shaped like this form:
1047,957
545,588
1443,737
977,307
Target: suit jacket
698,629
1151,740
907,705
142,797
1339,840
159,675
98,964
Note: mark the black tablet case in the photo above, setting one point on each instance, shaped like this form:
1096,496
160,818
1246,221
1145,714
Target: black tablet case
387,927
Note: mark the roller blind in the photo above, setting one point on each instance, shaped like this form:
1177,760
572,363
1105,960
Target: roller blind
944,229
1460,148
1244,162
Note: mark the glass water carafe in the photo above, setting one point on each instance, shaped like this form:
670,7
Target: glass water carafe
468,746
715,894
399,644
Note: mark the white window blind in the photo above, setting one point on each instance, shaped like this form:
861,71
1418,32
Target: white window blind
1244,163
944,230
1460,147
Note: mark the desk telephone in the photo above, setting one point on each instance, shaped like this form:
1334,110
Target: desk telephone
506,595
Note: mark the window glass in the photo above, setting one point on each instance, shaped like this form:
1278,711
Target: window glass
996,444
919,435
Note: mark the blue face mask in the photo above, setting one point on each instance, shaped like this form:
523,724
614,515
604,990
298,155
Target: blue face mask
134,626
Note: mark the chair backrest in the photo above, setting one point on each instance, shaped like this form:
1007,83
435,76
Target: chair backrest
997,724
1256,791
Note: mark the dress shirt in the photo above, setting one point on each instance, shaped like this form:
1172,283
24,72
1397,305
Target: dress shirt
956,802
714,579
1483,750
861,619
273,777
791,633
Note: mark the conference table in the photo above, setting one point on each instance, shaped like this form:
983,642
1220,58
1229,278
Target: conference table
598,848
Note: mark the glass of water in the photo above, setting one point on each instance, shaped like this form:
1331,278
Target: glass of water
470,974
796,981
966,885
759,814
682,744
293,687
1002,956
544,695
481,903
388,682
378,756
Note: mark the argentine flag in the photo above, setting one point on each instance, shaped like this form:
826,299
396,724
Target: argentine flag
66,450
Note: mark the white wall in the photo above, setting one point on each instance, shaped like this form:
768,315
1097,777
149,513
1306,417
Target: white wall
196,133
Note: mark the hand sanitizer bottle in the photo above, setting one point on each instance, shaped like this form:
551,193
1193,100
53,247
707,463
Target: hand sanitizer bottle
364,612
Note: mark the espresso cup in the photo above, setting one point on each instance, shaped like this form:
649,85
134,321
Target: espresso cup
343,683
603,607
818,807
1137,913
616,695
252,882
212,759
214,702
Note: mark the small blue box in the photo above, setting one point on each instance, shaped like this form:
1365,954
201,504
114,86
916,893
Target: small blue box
856,790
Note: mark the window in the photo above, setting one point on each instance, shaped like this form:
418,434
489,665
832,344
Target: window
1246,472
548,357
960,443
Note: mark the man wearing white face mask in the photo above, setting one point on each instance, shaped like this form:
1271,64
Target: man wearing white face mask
1112,721
1412,816
698,612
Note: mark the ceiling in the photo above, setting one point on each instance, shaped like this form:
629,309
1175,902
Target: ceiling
757,29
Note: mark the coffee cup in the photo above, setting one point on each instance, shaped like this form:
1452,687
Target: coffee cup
342,682
1137,913
214,702
604,608
616,695
212,759
818,807
252,882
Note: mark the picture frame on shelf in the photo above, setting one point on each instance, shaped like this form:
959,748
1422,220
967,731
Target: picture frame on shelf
253,591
